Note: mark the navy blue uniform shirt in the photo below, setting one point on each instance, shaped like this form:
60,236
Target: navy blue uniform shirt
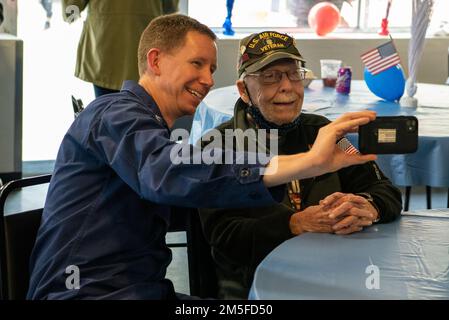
107,208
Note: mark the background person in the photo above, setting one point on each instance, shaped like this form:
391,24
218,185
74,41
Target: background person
1,14
108,44
47,5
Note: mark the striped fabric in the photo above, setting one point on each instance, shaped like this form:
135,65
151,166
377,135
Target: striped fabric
381,58
347,146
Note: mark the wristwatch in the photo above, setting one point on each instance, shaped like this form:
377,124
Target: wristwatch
368,197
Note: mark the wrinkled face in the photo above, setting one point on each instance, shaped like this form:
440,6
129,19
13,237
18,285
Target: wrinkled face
186,73
280,102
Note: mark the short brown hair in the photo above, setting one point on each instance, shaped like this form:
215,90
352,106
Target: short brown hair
166,33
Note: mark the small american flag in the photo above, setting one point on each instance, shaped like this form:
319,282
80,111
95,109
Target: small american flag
347,146
381,58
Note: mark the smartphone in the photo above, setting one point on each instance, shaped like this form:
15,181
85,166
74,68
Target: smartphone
389,135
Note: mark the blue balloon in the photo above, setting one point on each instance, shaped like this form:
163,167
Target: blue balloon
388,84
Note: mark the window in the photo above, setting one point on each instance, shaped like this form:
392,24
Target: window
362,15
400,15
264,13
49,62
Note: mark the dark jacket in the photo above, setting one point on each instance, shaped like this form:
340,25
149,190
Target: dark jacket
107,49
241,238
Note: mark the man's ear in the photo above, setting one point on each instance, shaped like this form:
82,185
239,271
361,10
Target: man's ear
153,61
242,91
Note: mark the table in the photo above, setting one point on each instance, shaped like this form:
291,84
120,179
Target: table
410,254
426,167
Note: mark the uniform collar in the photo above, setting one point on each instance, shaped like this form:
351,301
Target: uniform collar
137,90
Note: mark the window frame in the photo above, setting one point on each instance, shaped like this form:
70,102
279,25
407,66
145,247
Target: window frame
359,28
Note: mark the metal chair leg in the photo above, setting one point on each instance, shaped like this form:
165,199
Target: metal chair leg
429,197
407,197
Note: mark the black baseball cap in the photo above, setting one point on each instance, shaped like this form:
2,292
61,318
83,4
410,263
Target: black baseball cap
260,49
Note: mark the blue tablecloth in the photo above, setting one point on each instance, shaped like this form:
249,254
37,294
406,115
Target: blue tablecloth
409,256
425,167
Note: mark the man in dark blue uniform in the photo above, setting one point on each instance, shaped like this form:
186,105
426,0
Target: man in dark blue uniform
102,234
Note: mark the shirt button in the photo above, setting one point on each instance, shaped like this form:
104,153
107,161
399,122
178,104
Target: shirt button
244,172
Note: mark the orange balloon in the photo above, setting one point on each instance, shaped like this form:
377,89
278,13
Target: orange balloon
324,17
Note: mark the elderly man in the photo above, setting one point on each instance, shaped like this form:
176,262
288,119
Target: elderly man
271,71
107,211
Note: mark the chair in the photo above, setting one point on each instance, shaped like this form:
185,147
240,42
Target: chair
17,237
202,276
408,190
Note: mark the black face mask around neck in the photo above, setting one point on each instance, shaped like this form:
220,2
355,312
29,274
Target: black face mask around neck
263,123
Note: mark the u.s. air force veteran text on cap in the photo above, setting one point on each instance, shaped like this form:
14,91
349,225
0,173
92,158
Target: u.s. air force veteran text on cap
261,49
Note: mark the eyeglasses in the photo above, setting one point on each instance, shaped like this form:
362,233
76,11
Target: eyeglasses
275,76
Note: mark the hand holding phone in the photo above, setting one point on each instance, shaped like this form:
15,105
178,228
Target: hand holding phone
389,135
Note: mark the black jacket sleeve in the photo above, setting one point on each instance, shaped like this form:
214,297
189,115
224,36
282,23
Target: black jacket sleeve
368,178
364,178
243,237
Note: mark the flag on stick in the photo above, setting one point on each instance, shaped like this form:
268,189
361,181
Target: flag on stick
381,58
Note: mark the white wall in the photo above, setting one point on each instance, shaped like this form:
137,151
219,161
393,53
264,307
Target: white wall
433,67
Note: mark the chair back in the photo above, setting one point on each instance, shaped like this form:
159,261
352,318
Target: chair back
17,237
203,280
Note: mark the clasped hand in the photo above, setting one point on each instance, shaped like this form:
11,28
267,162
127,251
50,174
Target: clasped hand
340,213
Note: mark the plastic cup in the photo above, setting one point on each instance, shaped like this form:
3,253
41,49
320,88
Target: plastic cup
329,71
